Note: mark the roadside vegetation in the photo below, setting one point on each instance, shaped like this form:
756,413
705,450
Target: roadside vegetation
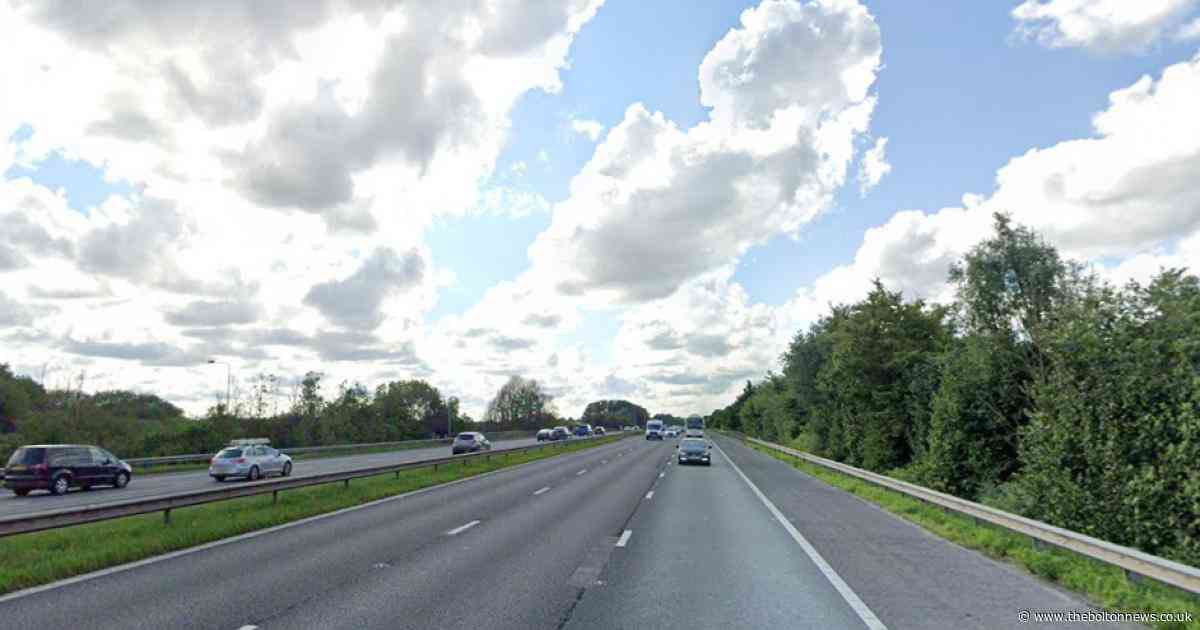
39,558
291,412
1040,389
1104,585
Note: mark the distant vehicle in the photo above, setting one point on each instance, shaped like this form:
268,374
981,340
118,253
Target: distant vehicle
654,430
545,435
561,433
671,432
252,459
695,427
694,450
470,442
600,431
60,467
583,430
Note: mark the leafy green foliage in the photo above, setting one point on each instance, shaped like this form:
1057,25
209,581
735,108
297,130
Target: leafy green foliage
134,424
615,414
1040,390
1114,442
521,404
876,348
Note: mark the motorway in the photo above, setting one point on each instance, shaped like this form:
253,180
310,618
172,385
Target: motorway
146,486
611,537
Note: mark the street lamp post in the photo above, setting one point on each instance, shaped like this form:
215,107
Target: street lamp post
228,379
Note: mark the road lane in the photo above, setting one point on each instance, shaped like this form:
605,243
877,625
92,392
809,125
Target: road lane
706,553
906,575
170,483
389,565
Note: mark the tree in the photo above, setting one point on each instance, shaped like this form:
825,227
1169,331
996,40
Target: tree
1010,283
15,402
1009,289
803,361
415,407
876,349
615,413
1112,445
520,404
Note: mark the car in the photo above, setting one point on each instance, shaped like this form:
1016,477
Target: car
560,433
694,450
251,459
60,467
654,430
470,442
600,431
671,432
545,435
583,430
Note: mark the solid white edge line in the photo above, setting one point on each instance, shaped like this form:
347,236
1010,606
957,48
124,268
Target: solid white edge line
34,590
650,495
542,491
462,528
624,537
581,472
857,605
248,628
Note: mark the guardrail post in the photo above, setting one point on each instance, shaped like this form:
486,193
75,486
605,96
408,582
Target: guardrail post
167,516
275,497
435,467
346,483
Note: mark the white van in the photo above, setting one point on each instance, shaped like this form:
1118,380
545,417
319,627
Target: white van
654,430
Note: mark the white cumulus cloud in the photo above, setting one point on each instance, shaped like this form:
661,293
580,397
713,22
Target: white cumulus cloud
789,91
1129,194
589,128
1099,25
874,166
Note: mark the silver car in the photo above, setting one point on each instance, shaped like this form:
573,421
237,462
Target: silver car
470,442
252,462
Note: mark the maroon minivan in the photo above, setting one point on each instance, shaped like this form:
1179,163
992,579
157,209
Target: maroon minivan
60,467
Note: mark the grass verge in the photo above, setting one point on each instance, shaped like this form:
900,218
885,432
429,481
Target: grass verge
40,558
1104,585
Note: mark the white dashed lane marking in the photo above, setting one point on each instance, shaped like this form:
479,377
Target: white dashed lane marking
462,528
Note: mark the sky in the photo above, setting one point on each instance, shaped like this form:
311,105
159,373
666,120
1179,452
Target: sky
619,199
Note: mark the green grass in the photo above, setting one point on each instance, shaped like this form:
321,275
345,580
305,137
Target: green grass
39,558
1104,585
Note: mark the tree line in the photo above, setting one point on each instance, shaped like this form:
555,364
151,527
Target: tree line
1040,389
144,425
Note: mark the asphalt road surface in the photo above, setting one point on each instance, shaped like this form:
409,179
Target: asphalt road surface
610,537
145,486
